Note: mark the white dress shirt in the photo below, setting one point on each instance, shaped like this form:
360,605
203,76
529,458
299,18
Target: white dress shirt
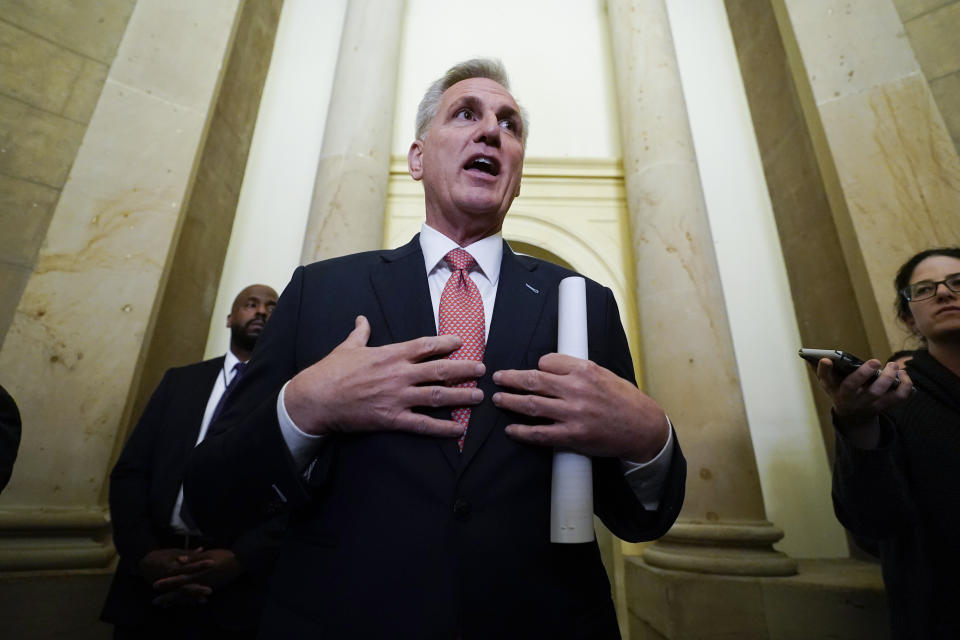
226,376
646,479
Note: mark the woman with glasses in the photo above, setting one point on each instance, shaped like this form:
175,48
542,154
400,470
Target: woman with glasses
898,452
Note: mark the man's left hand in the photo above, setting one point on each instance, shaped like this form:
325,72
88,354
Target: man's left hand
594,411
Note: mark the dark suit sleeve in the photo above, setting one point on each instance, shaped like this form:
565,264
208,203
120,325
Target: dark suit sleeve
242,473
614,500
256,549
131,478
9,436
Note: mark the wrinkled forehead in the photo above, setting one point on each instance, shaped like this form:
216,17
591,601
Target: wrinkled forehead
486,89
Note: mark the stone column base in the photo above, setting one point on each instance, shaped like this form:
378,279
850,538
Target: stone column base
743,549
837,599
33,539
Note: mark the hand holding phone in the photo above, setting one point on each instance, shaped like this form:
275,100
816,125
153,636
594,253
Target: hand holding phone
843,363
850,386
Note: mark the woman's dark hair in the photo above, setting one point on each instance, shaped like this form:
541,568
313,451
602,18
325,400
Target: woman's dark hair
903,353
906,272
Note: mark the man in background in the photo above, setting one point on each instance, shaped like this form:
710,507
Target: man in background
9,436
173,581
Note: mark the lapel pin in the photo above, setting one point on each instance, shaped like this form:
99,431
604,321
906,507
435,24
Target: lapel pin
531,288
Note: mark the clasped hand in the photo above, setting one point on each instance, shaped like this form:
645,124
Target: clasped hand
188,577
361,388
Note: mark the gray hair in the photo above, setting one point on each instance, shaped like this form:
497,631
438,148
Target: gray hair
490,68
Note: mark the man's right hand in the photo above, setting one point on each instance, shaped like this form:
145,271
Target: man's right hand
161,563
361,388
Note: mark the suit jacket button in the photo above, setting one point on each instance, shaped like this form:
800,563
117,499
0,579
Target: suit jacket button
461,510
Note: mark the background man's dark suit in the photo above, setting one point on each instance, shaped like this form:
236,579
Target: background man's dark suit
144,486
9,436
399,535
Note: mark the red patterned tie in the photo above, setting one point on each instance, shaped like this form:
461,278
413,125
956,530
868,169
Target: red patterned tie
461,313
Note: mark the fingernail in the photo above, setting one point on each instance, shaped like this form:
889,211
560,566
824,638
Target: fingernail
496,377
479,370
477,395
496,398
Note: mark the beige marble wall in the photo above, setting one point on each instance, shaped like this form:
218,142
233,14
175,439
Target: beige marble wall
890,168
932,27
190,291
53,62
73,349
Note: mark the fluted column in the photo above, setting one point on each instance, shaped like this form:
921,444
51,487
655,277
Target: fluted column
350,191
688,359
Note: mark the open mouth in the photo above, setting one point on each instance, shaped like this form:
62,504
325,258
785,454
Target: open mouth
483,163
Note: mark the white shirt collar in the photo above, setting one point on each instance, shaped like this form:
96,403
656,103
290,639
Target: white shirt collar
488,252
229,362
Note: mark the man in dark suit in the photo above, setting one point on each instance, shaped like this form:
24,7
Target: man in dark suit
9,436
173,581
417,466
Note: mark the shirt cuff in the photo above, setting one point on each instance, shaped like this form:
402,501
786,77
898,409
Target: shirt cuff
647,478
302,445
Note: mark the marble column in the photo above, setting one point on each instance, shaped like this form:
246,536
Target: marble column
350,192
688,359
73,352
890,168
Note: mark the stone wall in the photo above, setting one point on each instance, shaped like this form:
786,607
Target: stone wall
932,27
54,59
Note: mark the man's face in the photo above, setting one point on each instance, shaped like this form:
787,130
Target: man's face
251,309
471,159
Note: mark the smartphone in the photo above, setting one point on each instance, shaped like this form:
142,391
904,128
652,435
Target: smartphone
845,363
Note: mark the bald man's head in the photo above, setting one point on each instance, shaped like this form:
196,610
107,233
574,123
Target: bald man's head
248,316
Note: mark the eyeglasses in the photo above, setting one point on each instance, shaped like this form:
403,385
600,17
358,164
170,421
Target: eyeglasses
928,288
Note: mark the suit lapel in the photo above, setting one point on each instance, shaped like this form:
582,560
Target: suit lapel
521,294
200,381
400,283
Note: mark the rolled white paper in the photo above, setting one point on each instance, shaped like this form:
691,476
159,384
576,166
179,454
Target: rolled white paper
571,495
